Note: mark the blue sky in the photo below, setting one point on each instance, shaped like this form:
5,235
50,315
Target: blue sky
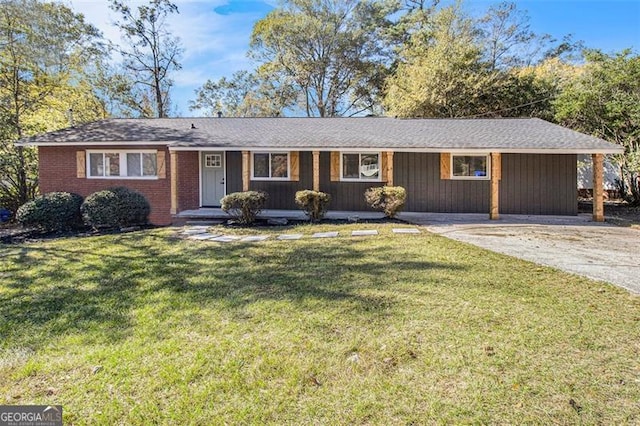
215,33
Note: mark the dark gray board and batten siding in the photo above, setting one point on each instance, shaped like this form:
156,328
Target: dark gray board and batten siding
419,174
281,193
531,184
540,184
234,171
344,195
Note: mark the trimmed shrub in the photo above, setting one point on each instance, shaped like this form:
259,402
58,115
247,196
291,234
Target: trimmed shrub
134,207
314,203
54,211
115,207
389,199
244,207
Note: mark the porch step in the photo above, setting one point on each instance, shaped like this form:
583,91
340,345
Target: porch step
204,222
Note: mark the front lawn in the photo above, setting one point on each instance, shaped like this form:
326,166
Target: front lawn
147,328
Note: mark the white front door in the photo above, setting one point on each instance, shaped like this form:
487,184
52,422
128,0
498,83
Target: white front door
213,176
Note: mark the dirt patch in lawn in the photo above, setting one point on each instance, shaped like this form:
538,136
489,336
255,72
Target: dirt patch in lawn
617,212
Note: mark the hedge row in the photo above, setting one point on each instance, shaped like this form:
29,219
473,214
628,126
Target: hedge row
55,211
120,206
63,211
245,207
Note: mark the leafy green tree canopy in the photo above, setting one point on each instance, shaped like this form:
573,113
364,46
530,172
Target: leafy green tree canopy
45,49
452,65
243,95
440,73
604,100
326,50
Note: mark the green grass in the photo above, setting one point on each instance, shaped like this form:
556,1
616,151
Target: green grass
370,330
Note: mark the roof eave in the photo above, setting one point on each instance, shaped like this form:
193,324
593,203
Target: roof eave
179,146
409,149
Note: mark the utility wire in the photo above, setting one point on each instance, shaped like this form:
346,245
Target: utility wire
508,109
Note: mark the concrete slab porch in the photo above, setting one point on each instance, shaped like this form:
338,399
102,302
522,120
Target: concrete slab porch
217,213
418,218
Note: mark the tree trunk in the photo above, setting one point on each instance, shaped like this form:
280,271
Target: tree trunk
158,94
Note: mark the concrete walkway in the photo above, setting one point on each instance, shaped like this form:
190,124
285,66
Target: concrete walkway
217,213
573,244
201,233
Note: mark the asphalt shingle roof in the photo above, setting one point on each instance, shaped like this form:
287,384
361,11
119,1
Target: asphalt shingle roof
510,135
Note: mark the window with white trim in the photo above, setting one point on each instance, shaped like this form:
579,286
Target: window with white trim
361,166
271,165
122,164
213,160
469,166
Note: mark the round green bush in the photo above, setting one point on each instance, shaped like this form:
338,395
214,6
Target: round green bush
115,207
54,211
244,207
314,203
389,199
134,207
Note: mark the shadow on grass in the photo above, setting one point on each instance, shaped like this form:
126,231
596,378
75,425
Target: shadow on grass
93,287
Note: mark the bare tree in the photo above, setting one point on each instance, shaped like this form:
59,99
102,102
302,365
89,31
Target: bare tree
152,53
507,37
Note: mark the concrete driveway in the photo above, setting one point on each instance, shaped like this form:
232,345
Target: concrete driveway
573,244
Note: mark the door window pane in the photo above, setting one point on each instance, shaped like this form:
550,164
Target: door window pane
213,160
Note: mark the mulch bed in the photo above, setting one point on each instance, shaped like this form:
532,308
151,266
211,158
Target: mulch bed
15,234
269,223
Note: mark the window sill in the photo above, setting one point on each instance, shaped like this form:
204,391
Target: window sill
356,180
470,177
123,177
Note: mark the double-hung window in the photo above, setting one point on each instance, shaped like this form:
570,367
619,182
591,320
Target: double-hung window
361,166
470,166
123,164
271,166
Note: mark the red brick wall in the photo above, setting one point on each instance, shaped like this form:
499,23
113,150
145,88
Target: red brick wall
57,170
188,180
